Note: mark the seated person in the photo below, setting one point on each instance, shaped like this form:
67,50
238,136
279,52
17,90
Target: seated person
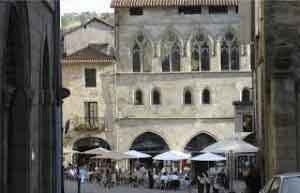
164,180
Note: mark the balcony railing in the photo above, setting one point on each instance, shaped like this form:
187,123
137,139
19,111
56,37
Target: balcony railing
88,123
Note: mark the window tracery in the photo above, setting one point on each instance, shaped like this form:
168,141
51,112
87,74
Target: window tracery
171,53
230,54
141,54
200,53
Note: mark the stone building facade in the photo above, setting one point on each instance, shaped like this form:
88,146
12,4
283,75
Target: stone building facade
95,31
179,69
30,99
88,54
277,36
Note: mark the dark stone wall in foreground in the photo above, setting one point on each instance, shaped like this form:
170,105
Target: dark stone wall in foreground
29,100
277,73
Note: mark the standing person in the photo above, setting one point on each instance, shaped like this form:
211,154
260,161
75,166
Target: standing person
208,182
150,178
114,178
253,181
200,182
216,184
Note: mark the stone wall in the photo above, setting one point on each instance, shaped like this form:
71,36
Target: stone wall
93,33
31,104
278,79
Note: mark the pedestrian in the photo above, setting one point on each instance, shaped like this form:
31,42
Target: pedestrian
253,180
216,185
150,178
200,181
207,182
113,179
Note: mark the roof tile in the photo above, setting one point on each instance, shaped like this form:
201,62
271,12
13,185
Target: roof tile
171,3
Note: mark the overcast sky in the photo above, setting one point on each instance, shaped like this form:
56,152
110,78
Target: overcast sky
100,6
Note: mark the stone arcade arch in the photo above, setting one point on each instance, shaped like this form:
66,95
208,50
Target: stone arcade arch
88,143
199,142
195,146
152,144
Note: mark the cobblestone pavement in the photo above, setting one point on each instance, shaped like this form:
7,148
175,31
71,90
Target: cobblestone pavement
71,187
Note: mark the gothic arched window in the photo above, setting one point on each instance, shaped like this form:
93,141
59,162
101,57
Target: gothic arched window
156,97
235,57
141,54
224,56
200,53
136,58
205,57
171,53
187,97
245,95
138,97
206,97
230,55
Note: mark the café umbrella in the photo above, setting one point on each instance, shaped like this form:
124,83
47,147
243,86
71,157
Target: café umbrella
102,153
137,155
208,157
235,145
172,156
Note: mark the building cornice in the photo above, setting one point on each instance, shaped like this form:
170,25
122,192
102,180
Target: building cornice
213,73
178,118
171,3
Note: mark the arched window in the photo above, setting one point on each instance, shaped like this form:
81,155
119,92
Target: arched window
224,56
205,60
235,57
245,95
141,54
230,55
156,97
200,53
171,53
187,97
136,58
206,97
138,97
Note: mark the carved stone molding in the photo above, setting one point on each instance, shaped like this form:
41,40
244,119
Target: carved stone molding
8,95
46,97
155,49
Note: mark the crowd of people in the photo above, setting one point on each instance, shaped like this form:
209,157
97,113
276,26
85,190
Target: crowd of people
108,177
215,180
212,181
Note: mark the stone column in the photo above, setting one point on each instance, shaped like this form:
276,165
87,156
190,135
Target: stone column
298,124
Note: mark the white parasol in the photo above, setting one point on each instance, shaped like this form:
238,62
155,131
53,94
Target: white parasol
106,154
236,145
172,156
208,157
137,155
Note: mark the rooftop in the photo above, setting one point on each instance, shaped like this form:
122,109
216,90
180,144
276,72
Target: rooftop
171,3
90,54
